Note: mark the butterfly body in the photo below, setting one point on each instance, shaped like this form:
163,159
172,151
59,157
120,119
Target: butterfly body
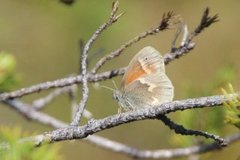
144,82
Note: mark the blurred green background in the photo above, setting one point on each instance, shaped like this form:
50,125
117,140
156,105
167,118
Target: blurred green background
43,36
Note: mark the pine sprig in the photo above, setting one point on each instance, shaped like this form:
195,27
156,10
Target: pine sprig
232,106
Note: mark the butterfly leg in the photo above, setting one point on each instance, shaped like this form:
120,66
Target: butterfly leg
119,110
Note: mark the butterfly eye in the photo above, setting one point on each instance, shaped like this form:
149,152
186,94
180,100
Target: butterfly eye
115,95
146,59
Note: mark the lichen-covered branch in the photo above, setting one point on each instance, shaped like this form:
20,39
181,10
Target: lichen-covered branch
123,148
30,113
94,126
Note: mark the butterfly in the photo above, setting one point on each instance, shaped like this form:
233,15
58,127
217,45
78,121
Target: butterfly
145,82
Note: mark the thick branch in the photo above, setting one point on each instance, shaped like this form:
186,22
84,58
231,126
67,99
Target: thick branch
28,112
95,126
131,151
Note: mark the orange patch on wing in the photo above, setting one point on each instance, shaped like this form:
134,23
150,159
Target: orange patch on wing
134,75
136,72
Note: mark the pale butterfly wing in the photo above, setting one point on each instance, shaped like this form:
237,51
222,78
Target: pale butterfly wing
146,58
142,92
145,82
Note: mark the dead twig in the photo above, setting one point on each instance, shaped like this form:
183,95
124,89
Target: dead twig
113,18
40,103
164,24
179,129
186,43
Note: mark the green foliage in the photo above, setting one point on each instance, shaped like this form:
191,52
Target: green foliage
232,106
16,150
208,119
8,76
224,75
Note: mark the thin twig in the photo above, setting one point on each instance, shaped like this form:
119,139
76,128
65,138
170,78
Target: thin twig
187,44
30,113
60,83
39,104
113,18
72,94
73,99
179,129
42,102
81,107
81,47
206,21
165,22
177,34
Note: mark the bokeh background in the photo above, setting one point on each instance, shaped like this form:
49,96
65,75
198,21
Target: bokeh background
44,35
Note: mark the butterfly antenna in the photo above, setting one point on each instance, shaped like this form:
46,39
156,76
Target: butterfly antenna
114,84
109,88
